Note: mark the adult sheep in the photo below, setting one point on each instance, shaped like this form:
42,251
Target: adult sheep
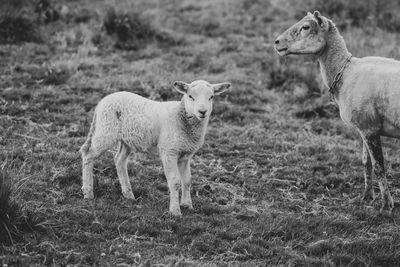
366,90
177,128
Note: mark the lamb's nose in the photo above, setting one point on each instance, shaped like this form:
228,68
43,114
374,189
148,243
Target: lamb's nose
277,41
203,112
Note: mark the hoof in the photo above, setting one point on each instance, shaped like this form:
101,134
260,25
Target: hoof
387,206
128,194
385,212
356,200
368,196
169,216
187,206
175,212
359,200
87,193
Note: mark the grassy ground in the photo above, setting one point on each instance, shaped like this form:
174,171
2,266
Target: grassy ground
274,184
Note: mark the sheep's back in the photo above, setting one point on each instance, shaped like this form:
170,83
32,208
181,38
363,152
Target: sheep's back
130,118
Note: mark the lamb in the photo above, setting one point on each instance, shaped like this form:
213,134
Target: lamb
176,128
366,91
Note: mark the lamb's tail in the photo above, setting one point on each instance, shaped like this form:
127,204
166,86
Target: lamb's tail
85,147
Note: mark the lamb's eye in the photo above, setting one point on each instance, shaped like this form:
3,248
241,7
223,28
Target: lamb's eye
306,27
191,97
211,97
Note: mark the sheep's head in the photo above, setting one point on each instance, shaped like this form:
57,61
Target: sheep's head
305,37
198,96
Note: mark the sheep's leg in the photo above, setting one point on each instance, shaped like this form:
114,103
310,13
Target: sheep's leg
373,143
89,153
186,179
121,163
368,195
87,175
171,171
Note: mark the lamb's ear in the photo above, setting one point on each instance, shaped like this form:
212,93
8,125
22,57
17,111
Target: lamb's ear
181,87
219,88
322,21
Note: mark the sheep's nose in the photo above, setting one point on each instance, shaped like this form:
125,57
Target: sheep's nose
277,41
203,112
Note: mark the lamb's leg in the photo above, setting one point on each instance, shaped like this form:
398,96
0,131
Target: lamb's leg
368,195
373,143
97,147
171,171
121,162
186,179
87,175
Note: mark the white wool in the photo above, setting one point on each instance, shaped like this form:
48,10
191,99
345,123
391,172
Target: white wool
142,123
176,128
367,93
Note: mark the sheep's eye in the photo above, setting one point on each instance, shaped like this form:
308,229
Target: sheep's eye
191,97
211,97
305,27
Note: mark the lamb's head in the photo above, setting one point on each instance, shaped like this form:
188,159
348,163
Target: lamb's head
305,37
198,96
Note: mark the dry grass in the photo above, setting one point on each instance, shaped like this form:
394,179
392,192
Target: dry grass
274,184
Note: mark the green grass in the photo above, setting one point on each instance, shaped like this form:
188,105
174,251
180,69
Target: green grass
274,183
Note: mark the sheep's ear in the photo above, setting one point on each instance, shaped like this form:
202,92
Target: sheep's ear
181,87
219,88
317,16
322,21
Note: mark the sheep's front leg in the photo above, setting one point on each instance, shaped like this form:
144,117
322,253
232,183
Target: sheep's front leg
368,195
186,179
374,147
170,164
121,163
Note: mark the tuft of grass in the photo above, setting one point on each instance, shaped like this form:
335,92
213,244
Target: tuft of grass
9,213
133,32
298,83
46,12
17,23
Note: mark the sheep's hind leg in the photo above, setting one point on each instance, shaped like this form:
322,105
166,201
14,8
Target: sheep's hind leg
368,195
89,153
121,162
87,174
373,143
186,179
170,164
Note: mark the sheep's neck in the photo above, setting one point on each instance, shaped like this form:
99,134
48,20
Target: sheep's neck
191,125
333,56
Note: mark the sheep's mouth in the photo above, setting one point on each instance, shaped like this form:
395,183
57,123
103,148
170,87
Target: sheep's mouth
281,51
202,116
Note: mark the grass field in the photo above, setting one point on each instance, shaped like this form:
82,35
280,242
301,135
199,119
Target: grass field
276,183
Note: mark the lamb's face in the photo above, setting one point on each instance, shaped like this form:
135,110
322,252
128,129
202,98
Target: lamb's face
305,37
198,96
199,100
